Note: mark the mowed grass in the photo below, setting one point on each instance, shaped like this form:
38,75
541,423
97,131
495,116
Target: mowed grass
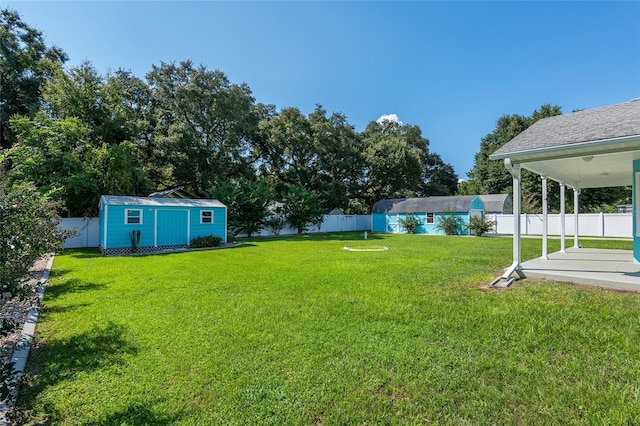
298,331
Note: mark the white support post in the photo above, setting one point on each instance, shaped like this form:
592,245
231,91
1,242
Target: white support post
576,194
506,279
545,220
517,203
562,225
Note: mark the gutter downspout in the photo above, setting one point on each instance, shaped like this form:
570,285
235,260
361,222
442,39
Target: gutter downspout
516,267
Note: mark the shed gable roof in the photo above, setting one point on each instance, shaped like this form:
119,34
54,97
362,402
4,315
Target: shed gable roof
152,201
179,192
441,204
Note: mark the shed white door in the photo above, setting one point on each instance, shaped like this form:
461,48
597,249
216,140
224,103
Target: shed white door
172,227
392,223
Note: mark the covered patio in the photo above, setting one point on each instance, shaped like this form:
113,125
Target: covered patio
606,268
587,149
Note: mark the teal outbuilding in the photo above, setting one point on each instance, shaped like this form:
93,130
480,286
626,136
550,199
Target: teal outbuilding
385,214
163,223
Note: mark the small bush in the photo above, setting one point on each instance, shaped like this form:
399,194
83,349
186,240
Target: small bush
450,223
480,225
208,241
410,223
276,223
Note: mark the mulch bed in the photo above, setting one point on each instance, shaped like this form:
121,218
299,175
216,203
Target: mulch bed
16,309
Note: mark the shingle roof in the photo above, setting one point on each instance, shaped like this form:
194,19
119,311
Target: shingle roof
425,205
610,122
151,201
173,193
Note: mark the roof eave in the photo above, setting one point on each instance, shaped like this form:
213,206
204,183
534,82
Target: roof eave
569,150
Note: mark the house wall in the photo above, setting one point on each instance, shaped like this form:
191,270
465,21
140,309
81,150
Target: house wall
636,210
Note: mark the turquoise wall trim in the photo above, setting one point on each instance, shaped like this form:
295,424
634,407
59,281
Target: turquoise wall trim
378,222
477,204
636,210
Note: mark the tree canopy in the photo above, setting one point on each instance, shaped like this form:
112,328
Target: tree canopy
78,134
25,63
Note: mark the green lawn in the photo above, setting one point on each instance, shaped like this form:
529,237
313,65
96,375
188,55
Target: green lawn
296,330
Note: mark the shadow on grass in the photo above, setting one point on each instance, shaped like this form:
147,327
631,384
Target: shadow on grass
136,414
73,285
56,361
47,310
84,253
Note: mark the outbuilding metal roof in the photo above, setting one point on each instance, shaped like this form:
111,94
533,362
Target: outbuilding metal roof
497,203
151,201
442,204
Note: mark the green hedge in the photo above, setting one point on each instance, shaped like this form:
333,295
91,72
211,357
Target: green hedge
208,241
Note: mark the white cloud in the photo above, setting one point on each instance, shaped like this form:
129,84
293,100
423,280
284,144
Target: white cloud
389,117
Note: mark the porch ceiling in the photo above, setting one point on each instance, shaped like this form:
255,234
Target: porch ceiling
587,169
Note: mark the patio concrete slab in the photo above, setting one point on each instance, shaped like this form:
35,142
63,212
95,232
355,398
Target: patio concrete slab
607,268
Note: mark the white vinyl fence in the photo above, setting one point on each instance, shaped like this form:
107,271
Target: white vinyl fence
589,224
88,229
330,223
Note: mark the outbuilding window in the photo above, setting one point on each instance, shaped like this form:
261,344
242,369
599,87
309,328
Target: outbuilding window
206,216
430,218
133,216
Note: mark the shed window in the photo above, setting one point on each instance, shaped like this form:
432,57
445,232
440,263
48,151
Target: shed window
133,216
430,218
206,216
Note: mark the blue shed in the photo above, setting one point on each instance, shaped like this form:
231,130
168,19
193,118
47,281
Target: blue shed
385,213
164,223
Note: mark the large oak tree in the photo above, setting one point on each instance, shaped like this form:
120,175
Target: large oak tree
25,63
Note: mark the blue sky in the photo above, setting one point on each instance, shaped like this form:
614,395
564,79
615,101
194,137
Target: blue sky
452,68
